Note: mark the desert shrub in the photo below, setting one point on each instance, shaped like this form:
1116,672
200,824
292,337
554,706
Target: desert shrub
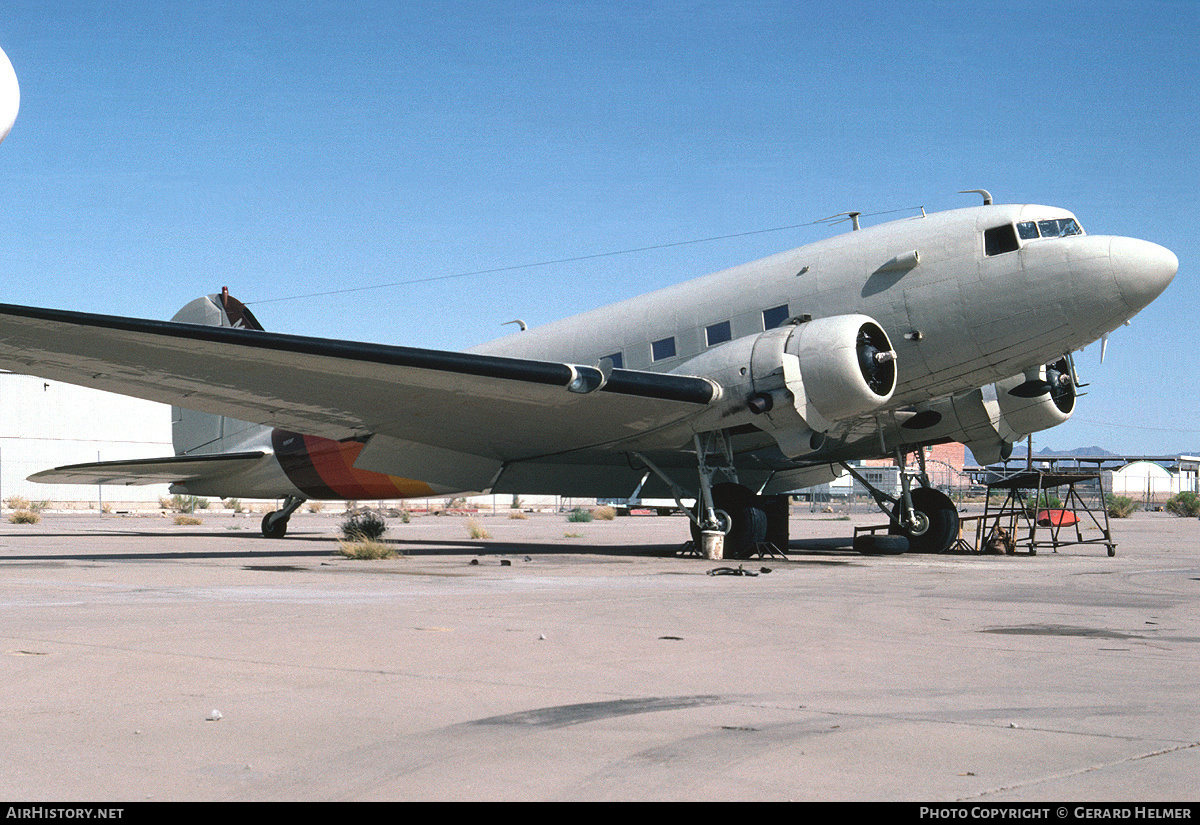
604,513
24,517
477,530
517,514
1186,504
366,549
1119,506
17,503
187,520
579,514
363,526
184,504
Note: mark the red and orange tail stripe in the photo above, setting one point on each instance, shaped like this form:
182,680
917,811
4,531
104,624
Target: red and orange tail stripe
322,468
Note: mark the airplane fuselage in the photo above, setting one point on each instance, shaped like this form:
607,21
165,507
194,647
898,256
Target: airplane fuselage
957,316
967,297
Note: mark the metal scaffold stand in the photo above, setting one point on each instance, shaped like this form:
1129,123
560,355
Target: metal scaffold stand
1028,518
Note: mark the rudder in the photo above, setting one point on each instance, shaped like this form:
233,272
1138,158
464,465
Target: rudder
194,432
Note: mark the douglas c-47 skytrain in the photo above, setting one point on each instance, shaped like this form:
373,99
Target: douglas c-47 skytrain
733,389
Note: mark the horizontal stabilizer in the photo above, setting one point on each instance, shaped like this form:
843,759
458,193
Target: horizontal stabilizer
170,469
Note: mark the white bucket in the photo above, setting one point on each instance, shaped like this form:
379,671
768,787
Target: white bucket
714,544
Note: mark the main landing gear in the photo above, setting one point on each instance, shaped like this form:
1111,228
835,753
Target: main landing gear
747,521
741,515
923,520
274,523
934,527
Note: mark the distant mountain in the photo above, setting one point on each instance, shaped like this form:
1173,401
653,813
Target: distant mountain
1046,452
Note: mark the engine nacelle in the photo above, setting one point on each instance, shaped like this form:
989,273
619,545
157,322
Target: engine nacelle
1040,398
989,420
802,379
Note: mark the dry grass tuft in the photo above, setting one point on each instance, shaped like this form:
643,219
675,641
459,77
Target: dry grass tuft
24,517
477,530
188,520
366,549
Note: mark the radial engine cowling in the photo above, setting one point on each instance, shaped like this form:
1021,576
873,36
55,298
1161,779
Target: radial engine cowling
808,376
990,419
1041,398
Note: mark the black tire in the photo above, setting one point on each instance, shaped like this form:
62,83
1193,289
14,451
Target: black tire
941,517
873,544
778,510
748,521
274,531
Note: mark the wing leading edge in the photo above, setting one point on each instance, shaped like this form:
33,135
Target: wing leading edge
498,407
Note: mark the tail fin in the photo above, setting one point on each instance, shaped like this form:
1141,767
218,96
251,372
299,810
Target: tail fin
195,432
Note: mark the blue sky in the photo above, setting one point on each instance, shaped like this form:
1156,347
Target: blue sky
165,150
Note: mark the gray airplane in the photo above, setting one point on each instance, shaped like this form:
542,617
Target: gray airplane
733,389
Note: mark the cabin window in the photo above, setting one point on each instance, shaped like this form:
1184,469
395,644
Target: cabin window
718,334
774,316
1000,239
618,360
1027,230
664,348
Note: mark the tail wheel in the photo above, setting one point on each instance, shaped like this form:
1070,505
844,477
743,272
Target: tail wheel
937,522
276,530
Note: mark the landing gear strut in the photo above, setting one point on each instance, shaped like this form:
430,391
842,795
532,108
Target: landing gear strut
925,516
741,517
745,520
274,523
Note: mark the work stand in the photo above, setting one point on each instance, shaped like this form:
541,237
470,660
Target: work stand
1029,521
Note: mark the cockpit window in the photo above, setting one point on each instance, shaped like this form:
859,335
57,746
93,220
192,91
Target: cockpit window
1027,230
1051,228
1059,228
1000,239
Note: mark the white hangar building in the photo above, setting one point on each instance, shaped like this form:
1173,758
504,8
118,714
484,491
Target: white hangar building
1142,479
47,424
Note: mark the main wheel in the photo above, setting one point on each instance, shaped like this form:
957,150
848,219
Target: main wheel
778,509
274,531
937,522
747,521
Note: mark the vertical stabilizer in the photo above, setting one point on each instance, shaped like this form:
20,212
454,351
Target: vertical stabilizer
195,432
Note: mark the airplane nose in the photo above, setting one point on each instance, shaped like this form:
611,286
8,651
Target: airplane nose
1142,270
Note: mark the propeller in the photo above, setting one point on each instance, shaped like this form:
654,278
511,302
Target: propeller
877,365
1058,383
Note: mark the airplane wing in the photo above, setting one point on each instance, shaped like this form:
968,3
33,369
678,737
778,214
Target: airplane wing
500,408
166,470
